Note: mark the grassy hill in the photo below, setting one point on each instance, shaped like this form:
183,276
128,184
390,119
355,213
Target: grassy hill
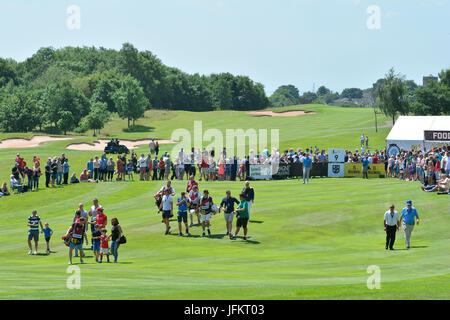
328,127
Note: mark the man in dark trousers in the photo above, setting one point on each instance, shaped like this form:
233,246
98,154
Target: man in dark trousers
391,225
48,172
249,196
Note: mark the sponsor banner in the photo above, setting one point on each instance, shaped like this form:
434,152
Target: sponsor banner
296,170
335,169
437,135
355,170
336,155
319,169
282,172
260,171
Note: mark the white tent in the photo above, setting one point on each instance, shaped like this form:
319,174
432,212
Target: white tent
408,133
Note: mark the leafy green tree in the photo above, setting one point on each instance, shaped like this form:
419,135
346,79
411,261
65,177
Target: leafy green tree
59,98
66,121
222,94
393,95
308,97
104,92
19,112
98,117
352,93
432,99
285,96
323,91
130,100
7,73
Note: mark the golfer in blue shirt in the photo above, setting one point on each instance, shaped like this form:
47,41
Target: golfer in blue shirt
408,216
306,167
365,167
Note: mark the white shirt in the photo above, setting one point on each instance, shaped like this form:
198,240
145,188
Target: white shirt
94,212
391,220
142,162
167,202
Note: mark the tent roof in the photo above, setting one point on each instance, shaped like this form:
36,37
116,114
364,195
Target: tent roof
412,128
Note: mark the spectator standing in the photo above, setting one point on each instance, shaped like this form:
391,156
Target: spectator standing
116,234
34,221
66,170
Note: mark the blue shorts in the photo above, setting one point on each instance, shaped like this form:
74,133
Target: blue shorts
96,245
76,246
182,216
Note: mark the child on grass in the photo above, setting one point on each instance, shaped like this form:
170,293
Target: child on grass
104,246
47,234
130,168
96,239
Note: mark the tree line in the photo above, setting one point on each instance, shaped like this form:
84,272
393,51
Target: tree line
73,88
393,95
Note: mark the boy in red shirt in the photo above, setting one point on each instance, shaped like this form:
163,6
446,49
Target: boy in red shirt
101,218
104,245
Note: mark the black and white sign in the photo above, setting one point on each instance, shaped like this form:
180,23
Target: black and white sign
335,169
336,155
437,135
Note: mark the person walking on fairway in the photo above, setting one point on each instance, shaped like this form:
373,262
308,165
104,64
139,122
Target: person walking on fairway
34,221
205,205
194,199
167,208
391,225
183,204
306,168
408,217
227,205
249,193
77,230
242,217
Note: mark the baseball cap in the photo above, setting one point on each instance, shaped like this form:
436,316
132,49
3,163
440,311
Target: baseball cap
409,202
99,209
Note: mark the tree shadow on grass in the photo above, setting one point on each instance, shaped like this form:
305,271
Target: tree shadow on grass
139,128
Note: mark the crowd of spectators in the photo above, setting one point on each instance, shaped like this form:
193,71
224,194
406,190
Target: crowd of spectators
429,167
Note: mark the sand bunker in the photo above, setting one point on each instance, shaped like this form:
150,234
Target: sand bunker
33,142
293,113
100,145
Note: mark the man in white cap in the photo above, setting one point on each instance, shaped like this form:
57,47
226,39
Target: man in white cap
408,217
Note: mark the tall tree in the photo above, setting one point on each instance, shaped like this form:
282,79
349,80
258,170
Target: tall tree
130,100
393,95
98,116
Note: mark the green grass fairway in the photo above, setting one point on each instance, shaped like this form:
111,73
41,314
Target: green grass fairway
306,242
329,127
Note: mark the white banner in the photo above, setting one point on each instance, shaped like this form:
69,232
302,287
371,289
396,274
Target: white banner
261,171
335,169
336,155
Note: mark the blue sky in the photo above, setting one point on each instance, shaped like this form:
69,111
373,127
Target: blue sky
275,42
